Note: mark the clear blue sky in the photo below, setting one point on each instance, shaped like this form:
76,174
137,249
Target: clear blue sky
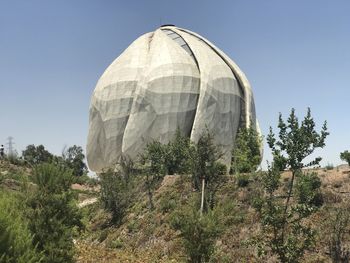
295,54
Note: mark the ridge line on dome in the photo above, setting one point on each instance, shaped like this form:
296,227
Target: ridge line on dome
199,71
240,82
194,57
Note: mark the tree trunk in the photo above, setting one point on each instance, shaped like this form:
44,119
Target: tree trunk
202,199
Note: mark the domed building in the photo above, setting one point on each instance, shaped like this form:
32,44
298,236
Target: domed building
167,79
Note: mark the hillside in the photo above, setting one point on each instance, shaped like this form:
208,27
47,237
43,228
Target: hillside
146,235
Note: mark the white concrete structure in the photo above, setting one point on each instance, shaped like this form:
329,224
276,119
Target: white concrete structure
166,79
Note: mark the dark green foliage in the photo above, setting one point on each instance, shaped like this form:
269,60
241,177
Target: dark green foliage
246,151
205,165
345,156
177,154
16,241
284,230
36,154
115,194
74,159
54,216
198,232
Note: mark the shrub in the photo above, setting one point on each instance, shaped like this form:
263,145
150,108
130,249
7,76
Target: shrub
345,156
308,191
36,154
339,227
177,154
246,155
198,232
329,166
16,241
114,194
154,163
284,230
74,160
53,215
206,168
242,180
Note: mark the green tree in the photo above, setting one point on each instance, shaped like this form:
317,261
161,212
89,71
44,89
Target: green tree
115,194
74,159
16,241
284,230
36,154
246,154
177,154
54,216
154,163
345,156
206,169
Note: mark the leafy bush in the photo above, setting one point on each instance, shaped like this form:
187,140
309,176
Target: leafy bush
53,215
16,241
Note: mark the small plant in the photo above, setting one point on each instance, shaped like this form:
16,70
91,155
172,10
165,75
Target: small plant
345,156
115,194
177,154
16,241
242,180
154,163
198,232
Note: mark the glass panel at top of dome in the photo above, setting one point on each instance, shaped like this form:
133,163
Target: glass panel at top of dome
178,39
